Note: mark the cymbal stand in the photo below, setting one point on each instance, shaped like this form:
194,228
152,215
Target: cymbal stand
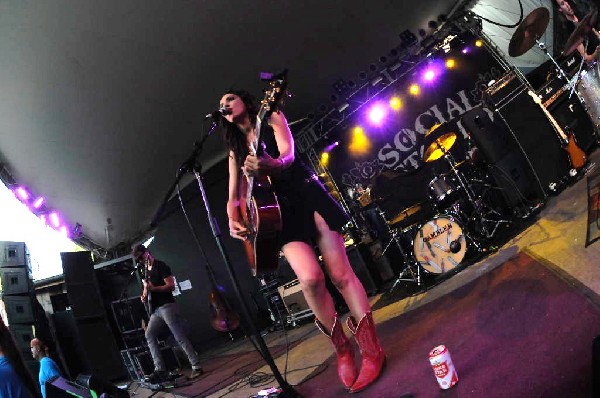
409,261
480,208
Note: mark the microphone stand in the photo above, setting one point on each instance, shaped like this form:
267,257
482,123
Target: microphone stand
193,165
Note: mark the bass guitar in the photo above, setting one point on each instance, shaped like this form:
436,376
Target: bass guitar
258,203
577,156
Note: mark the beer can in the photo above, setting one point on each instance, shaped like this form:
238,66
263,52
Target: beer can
443,368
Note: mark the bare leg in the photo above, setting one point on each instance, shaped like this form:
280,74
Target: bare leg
303,261
331,244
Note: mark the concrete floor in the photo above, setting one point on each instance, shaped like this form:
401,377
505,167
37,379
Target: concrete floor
557,239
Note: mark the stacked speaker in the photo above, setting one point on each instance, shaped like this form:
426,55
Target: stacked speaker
17,297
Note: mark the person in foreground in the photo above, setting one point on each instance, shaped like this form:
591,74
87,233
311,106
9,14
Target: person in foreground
309,215
159,284
15,379
48,368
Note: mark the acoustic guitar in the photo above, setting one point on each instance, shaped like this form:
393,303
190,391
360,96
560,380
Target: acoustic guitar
259,206
577,156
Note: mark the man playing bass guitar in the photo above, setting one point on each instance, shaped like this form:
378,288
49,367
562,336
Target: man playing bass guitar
159,285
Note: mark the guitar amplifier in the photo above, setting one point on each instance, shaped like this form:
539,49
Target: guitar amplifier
503,90
550,91
292,296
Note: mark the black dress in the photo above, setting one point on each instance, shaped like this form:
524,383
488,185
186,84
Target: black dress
300,195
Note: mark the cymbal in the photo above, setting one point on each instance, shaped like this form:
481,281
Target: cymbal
584,27
404,214
439,147
529,30
433,129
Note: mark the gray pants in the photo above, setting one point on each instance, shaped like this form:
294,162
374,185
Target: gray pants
168,314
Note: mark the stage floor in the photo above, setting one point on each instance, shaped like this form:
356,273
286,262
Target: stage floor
556,239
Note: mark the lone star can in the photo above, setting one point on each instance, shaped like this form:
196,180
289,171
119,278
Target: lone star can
443,368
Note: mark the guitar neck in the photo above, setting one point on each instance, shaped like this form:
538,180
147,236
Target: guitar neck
558,129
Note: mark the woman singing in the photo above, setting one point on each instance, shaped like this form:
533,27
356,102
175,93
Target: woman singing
310,215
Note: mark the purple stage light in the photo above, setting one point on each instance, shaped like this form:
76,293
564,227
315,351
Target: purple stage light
429,75
63,230
377,113
54,219
38,202
44,218
466,50
329,147
22,193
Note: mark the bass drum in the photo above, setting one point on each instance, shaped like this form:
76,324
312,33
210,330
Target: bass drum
439,245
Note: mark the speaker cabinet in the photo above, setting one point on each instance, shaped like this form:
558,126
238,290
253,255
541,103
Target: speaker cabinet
500,152
536,138
23,334
17,309
82,286
14,281
14,254
571,115
360,267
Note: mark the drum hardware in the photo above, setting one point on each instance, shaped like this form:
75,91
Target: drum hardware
409,262
486,226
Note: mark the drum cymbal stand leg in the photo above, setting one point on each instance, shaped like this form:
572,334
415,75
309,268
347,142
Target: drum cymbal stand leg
409,261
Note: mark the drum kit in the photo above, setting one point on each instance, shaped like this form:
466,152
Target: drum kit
464,219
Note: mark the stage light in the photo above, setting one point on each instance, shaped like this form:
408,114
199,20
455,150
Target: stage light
414,89
22,193
429,75
360,143
38,202
395,103
44,218
377,113
54,219
63,230
466,50
325,159
478,43
343,107
450,63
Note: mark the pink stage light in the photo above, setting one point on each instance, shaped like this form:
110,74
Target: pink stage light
54,219
38,202
44,218
377,113
63,230
22,193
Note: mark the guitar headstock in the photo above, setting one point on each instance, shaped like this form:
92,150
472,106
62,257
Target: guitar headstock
273,94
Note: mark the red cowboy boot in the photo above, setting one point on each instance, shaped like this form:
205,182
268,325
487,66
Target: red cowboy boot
373,356
343,348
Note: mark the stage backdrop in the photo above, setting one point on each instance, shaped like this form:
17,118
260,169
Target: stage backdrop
388,155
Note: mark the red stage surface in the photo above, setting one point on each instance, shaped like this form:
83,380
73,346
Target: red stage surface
517,331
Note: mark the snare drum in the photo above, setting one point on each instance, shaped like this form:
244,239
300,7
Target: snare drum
439,244
441,189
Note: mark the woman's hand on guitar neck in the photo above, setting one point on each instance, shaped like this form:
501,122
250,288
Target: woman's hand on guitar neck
144,296
237,229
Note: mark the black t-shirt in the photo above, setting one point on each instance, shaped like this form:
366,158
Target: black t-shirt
157,276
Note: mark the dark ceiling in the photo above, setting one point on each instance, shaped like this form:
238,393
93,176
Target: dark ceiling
103,99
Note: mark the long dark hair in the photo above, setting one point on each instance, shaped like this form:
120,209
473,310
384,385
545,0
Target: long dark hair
14,357
235,139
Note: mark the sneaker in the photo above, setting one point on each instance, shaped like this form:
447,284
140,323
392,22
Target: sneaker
158,376
196,371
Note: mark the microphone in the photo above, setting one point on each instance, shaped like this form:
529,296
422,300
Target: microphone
218,113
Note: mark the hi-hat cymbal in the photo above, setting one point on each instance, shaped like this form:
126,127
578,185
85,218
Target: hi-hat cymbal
580,33
404,214
529,30
439,147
